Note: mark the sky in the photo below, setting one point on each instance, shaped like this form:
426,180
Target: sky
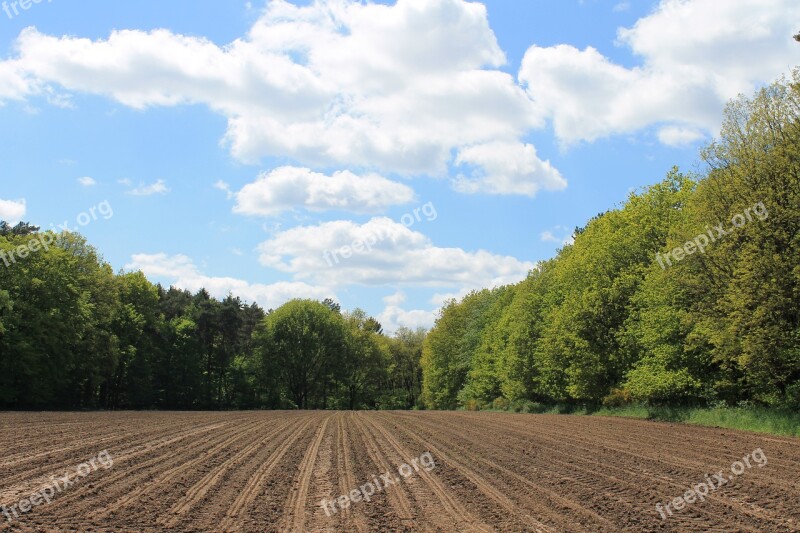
389,155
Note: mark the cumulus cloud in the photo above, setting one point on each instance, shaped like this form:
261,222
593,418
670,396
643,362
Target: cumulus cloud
286,188
184,274
159,187
678,136
507,168
588,97
14,85
382,251
695,55
395,299
393,318
414,87
86,181
12,211
388,88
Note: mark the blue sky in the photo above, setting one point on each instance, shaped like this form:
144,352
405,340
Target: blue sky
238,142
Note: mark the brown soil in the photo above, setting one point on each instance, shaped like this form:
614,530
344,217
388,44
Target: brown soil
269,471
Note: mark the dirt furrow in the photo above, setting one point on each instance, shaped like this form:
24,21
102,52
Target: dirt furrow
350,520
251,490
75,504
101,478
165,478
669,443
617,474
544,502
269,472
487,489
197,492
295,518
615,481
465,520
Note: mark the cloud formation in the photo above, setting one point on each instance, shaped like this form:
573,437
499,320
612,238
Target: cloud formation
506,168
394,317
181,272
287,188
695,56
393,254
401,88
12,211
392,89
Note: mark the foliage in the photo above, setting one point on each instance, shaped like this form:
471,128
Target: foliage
73,335
617,318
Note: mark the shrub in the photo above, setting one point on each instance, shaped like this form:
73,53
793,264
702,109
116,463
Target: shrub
472,405
618,398
501,404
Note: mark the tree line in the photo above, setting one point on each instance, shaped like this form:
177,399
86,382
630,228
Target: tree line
686,294
633,310
75,335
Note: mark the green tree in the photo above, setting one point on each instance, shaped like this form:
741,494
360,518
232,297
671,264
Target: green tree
307,340
450,346
365,365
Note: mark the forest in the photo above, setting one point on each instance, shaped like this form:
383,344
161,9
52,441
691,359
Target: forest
686,294
74,335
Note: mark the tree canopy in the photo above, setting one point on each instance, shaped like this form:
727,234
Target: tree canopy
634,310
74,335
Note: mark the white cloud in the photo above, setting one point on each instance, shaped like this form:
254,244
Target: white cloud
678,136
589,97
388,253
286,188
394,317
696,55
86,181
13,83
391,88
401,88
182,273
395,299
159,187
12,211
507,168
621,6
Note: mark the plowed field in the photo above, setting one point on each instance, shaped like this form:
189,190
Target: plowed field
270,471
